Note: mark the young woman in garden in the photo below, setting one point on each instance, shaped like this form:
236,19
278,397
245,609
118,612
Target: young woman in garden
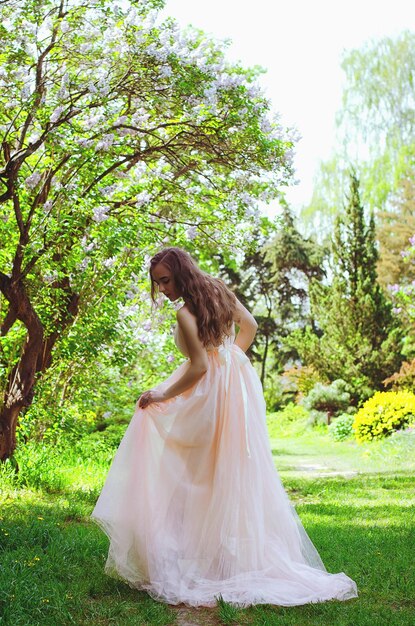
192,504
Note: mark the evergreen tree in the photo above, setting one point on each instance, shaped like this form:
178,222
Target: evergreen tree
395,227
361,340
273,281
294,261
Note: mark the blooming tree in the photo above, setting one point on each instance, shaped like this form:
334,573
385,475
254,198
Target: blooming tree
119,133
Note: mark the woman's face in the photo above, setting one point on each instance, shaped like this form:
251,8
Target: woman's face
165,281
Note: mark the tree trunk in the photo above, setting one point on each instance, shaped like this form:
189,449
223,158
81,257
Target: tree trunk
267,331
36,355
264,360
19,390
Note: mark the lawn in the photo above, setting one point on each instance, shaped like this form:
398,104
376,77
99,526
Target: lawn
356,502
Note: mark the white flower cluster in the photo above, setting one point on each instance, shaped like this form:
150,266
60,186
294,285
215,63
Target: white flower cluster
100,214
63,92
142,198
87,247
109,190
140,117
56,114
106,142
191,232
84,142
107,263
33,180
93,121
50,278
123,119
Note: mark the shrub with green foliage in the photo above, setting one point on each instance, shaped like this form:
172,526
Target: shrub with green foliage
384,413
342,427
53,424
291,419
302,379
329,399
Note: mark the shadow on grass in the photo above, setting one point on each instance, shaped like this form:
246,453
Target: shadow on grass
362,525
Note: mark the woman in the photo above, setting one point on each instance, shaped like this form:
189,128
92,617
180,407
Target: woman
192,505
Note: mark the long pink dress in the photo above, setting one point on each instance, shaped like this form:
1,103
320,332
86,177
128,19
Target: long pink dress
194,508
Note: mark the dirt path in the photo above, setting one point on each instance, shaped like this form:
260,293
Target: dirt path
323,470
195,617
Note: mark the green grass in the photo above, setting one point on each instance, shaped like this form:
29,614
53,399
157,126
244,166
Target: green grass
356,502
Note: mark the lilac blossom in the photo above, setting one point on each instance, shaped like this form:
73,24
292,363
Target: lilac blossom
106,142
143,198
123,119
143,338
109,262
85,143
108,190
393,288
56,114
100,214
191,232
33,180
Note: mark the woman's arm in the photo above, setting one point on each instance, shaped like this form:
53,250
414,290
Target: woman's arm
247,326
197,354
197,365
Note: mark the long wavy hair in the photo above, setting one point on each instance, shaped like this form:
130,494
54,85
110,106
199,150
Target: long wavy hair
208,298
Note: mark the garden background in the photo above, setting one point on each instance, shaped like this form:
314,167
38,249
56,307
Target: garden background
120,134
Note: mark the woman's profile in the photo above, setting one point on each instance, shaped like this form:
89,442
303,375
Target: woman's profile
192,504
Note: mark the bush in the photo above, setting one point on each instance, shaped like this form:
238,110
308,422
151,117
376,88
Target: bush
329,399
292,419
404,379
301,379
384,413
292,413
276,393
51,425
317,419
342,427
103,439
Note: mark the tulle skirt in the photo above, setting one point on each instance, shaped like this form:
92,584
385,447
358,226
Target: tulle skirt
194,508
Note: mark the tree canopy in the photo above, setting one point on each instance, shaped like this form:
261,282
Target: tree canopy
120,133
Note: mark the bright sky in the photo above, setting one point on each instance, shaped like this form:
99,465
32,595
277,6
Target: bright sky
300,43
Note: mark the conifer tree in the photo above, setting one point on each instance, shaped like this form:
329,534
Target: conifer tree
274,282
360,339
394,229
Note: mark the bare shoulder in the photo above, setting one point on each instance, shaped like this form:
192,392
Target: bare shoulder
184,314
242,316
186,320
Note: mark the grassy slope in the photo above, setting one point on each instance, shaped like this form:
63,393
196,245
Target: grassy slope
52,556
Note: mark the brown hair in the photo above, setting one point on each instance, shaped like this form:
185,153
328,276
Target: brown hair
208,298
